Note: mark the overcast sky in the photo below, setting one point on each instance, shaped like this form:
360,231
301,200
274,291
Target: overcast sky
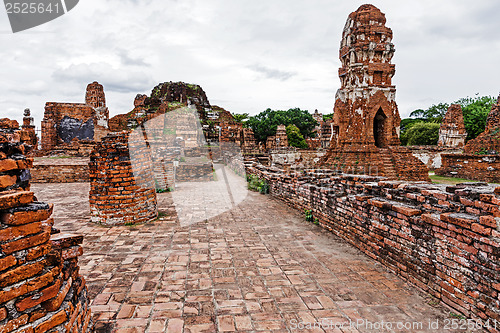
246,55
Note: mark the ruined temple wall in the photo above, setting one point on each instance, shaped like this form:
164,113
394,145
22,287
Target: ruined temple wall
431,156
476,167
40,286
54,113
443,239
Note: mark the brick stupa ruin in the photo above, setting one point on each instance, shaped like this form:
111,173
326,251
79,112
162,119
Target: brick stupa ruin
366,120
452,132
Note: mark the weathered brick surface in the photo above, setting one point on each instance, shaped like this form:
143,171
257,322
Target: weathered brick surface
364,134
37,280
444,240
119,193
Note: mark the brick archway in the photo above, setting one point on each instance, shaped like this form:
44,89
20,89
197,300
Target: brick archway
379,129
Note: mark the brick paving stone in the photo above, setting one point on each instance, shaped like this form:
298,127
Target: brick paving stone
258,267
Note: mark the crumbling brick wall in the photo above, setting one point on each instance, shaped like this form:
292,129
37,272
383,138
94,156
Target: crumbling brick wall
65,122
40,286
121,192
444,239
484,168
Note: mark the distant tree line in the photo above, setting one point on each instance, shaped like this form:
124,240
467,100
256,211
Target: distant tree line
299,124
422,128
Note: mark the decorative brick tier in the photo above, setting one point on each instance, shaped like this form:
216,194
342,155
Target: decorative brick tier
443,239
121,192
40,287
477,167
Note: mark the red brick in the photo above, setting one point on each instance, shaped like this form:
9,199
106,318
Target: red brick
14,324
56,319
39,297
6,181
12,199
7,165
26,217
7,262
28,286
55,303
26,242
21,273
11,233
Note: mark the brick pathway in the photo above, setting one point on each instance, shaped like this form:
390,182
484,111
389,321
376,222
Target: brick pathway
259,267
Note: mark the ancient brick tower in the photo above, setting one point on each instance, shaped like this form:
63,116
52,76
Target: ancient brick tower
366,118
452,131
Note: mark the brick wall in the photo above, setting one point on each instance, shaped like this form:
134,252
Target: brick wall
40,287
60,174
431,156
121,191
477,167
443,239
194,173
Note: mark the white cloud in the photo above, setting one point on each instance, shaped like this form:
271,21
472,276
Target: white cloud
247,55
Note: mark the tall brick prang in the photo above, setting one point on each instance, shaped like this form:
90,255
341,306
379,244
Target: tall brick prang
40,286
365,127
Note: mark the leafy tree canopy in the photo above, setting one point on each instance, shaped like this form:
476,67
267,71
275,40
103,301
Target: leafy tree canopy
421,133
265,123
240,118
295,138
475,111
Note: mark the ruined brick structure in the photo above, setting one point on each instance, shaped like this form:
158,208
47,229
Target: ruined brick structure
452,131
481,158
365,130
66,126
443,239
40,286
323,132
280,140
121,192
28,126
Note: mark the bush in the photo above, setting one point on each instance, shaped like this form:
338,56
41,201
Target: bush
295,138
257,185
421,134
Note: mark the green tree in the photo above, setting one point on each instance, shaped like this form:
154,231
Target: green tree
475,111
240,118
433,114
295,138
327,116
421,134
265,123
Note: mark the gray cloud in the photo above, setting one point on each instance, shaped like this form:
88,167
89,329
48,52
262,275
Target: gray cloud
271,73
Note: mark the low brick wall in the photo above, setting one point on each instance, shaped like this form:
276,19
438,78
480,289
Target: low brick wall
484,168
64,170
194,173
40,286
443,239
121,192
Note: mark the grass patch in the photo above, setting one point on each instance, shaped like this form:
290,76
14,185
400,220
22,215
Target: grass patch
449,180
